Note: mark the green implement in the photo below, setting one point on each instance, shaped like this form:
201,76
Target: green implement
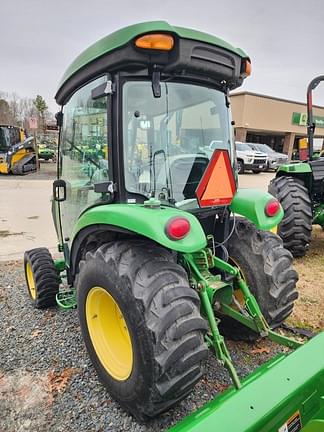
279,396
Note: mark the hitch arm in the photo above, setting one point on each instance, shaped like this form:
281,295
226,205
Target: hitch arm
254,318
217,340
249,315
259,323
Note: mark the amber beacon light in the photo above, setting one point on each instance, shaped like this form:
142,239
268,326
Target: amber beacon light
248,67
155,41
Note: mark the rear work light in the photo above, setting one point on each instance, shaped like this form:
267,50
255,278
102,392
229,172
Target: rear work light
177,228
272,208
155,41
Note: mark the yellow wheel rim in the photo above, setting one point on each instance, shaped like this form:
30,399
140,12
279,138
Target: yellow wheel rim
31,281
109,333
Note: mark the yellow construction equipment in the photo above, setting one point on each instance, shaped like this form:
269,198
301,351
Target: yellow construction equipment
17,151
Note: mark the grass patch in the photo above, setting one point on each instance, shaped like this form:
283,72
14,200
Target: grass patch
309,308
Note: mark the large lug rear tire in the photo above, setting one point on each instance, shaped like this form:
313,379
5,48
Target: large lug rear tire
266,267
41,277
295,228
162,350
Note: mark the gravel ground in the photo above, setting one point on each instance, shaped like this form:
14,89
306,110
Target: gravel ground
47,382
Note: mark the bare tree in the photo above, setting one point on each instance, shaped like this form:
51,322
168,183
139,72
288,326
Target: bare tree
5,112
15,110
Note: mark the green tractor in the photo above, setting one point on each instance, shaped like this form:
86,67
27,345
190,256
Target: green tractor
46,153
156,258
299,187
47,147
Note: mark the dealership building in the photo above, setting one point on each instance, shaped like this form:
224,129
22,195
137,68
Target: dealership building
280,123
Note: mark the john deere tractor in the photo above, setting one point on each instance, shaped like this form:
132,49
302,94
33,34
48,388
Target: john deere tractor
162,254
299,187
17,152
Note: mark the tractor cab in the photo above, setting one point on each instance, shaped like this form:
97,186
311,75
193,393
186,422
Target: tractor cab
141,117
10,136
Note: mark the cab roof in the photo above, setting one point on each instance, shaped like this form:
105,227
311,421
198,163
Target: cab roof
125,35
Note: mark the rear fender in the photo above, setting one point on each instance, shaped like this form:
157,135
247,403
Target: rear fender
146,222
251,203
294,168
301,171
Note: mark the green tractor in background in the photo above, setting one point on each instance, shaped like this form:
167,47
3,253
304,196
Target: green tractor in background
299,187
47,146
155,256
46,153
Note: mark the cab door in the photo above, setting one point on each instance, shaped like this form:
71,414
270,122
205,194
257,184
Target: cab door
83,155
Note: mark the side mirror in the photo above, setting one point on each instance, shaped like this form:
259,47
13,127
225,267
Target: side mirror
59,190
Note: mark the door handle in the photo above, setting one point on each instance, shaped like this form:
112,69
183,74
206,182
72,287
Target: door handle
59,190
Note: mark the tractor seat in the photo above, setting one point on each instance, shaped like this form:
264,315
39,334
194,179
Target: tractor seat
185,174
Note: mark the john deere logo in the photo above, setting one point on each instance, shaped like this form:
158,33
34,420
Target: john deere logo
300,119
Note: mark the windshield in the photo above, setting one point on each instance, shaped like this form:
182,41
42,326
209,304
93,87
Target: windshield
9,136
4,138
169,140
264,148
243,147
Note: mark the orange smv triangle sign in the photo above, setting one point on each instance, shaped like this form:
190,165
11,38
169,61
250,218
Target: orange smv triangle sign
217,186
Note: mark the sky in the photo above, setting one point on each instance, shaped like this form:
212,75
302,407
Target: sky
284,38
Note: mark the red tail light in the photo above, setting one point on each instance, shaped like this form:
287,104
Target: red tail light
272,208
177,228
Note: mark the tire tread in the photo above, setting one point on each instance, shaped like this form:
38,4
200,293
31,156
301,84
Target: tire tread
296,226
45,275
170,308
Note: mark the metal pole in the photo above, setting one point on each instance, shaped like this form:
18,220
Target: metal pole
310,120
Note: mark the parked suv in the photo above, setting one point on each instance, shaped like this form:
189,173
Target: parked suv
249,159
274,159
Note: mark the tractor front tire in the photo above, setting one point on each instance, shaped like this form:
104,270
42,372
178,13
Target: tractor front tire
266,267
141,324
41,277
295,229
